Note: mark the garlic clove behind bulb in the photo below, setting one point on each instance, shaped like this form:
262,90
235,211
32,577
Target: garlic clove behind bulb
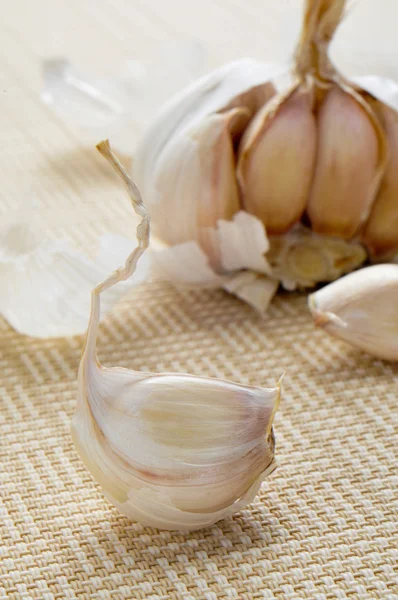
361,309
171,451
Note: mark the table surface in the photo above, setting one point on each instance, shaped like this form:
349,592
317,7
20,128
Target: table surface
325,523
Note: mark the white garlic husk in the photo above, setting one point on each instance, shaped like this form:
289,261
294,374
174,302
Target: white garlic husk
195,135
178,158
362,309
45,283
171,451
309,155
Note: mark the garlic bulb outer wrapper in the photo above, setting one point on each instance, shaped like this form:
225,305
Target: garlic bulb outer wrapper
172,451
362,309
168,165
208,191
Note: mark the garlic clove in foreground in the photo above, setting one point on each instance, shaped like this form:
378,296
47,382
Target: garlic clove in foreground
199,443
172,451
361,309
276,160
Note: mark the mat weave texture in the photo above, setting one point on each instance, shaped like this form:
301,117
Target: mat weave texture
324,525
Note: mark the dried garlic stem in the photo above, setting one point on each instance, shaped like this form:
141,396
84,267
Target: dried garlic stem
321,20
123,273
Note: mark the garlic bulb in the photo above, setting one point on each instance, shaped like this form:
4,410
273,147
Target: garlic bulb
362,309
170,451
314,164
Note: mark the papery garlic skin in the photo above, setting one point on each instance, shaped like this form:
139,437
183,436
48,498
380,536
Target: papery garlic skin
45,284
175,163
172,451
362,309
121,107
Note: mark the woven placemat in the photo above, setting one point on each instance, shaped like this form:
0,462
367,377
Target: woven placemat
324,524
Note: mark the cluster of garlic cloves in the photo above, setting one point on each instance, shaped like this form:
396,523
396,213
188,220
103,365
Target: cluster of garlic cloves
313,163
171,451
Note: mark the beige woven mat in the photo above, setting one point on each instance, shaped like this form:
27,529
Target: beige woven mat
325,523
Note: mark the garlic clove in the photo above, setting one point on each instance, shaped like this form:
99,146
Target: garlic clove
362,309
173,451
381,231
211,94
218,196
346,170
207,158
201,443
276,160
